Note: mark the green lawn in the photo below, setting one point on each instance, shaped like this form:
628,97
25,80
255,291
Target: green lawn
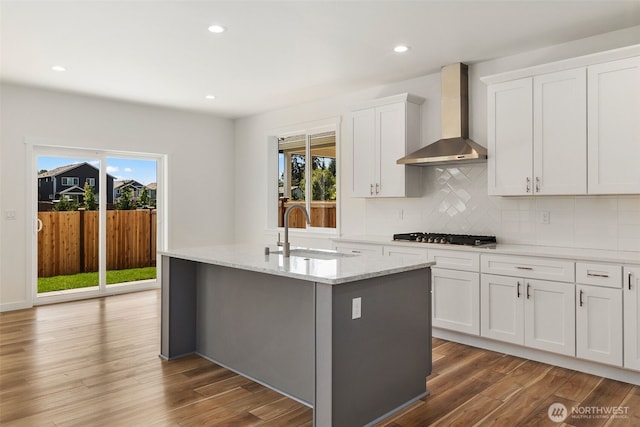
85,280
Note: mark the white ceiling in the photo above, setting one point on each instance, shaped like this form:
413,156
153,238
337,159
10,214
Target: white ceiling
273,54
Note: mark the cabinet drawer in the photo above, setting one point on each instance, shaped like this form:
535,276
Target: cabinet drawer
355,248
404,251
530,268
591,273
455,260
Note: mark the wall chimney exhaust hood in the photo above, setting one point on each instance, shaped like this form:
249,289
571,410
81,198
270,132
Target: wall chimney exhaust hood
455,145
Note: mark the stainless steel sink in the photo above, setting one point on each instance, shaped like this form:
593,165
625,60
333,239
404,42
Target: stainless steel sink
315,253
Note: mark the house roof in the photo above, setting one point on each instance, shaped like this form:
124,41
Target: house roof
63,169
73,190
152,186
126,183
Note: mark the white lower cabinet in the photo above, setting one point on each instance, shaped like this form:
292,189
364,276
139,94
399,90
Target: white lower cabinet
632,317
535,313
599,324
456,300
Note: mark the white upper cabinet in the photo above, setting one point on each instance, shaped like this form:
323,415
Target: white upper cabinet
510,137
382,132
570,127
560,133
614,127
537,135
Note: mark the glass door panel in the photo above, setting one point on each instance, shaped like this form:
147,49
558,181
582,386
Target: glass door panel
131,220
68,224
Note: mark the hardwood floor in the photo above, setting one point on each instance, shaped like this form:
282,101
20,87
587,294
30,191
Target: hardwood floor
95,363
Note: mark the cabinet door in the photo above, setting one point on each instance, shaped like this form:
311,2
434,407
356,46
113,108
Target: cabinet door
364,146
599,324
510,137
391,145
632,318
549,316
614,127
560,132
502,308
456,300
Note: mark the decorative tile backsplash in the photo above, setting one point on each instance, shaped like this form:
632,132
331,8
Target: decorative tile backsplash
455,200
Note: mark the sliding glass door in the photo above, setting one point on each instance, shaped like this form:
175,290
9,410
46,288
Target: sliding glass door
96,222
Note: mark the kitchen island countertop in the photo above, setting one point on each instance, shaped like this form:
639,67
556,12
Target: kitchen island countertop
341,269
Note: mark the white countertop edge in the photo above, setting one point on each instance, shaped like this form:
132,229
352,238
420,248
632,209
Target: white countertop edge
347,278
577,254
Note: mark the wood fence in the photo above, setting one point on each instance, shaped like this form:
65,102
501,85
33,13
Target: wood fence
323,214
68,241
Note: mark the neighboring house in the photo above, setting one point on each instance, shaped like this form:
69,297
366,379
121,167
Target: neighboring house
68,181
153,193
120,186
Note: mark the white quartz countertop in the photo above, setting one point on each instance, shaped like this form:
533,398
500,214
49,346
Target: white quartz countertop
594,255
341,269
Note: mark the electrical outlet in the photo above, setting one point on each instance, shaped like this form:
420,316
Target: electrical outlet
545,217
356,308
10,215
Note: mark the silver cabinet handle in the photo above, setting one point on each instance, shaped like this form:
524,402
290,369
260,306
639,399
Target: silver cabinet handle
528,185
581,302
355,252
371,189
528,294
629,280
597,275
537,184
523,268
518,291
377,188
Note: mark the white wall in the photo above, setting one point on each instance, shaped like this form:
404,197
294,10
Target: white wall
454,199
200,154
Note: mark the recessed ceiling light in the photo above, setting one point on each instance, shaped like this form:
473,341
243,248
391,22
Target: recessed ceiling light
210,96
217,29
401,48
58,68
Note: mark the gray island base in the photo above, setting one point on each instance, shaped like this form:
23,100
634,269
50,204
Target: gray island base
298,337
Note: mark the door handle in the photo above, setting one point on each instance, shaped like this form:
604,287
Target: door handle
39,225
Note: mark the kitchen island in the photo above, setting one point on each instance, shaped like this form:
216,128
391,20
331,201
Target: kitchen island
349,336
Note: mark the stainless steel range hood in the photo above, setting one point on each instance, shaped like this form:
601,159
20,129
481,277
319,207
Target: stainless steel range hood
455,145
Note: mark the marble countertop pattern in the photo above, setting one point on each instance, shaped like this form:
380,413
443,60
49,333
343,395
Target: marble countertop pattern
341,269
589,255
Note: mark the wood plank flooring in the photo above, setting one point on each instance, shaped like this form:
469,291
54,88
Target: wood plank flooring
95,363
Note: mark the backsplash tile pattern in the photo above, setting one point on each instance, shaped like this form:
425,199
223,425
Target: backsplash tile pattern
455,200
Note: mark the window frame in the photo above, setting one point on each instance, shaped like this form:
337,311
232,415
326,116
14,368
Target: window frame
309,128
90,181
64,181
